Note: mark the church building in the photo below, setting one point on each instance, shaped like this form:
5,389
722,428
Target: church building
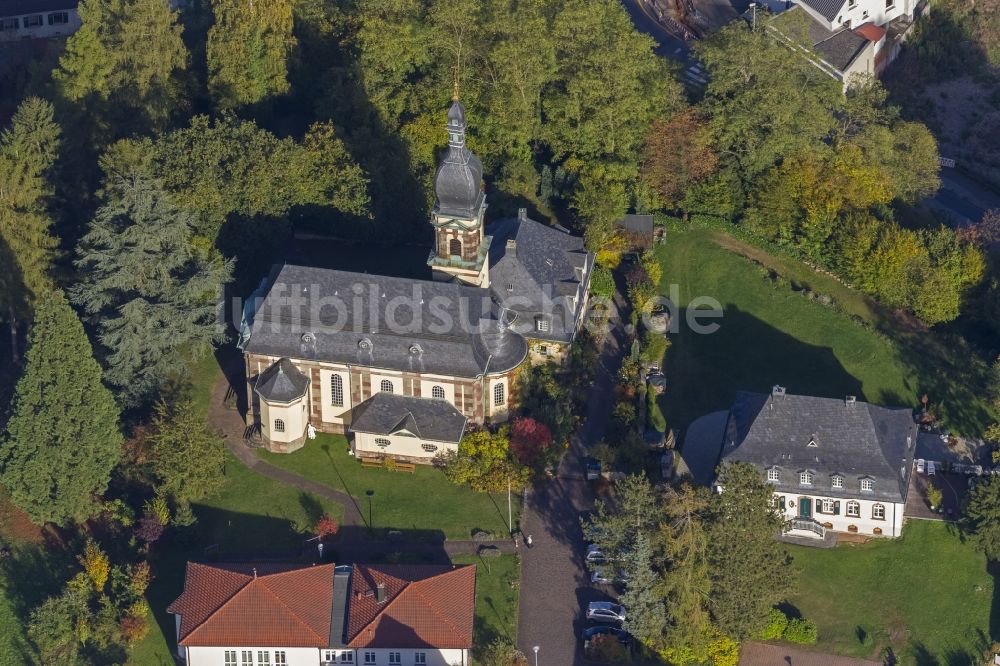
405,366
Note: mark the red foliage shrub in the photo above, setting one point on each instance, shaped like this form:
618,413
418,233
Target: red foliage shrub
326,527
529,439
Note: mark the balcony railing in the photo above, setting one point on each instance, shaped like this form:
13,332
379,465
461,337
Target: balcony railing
807,525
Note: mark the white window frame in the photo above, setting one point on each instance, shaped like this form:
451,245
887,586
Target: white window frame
837,482
499,394
329,656
247,658
805,478
29,21
773,474
369,658
280,658
264,657
58,18
229,658
877,509
542,325
828,505
382,442
867,485
437,391
347,657
853,509
395,658
279,425
420,658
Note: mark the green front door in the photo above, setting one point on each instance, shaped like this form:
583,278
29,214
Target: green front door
805,507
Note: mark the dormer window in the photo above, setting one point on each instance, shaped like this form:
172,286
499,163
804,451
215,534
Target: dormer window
851,4
837,482
542,324
773,475
805,478
867,485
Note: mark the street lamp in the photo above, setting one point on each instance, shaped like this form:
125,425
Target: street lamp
753,10
535,650
370,493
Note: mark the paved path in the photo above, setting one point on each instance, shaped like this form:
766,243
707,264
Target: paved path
555,584
357,548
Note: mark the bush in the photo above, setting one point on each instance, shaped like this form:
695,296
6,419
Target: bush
777,622
653,414
654,346
606,648
502,652
602,282
724,651
326,527
934,496
800,631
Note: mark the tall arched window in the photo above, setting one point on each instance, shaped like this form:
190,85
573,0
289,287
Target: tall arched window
279,425
437,392
499,394
386,386
336,391
455,247
878,511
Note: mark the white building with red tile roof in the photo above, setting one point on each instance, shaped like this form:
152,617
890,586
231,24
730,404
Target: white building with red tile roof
295,615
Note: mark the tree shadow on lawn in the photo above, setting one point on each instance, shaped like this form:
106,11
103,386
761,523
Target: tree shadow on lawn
705,371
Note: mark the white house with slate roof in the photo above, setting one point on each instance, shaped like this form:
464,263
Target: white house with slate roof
404,365
36,19
835,464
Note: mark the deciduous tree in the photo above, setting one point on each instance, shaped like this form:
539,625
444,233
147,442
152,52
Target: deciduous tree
62,438
678,154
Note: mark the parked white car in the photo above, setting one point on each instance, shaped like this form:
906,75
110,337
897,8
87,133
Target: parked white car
930,468
605,612
921,465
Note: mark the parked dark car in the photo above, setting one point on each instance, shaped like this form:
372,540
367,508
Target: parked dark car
603,630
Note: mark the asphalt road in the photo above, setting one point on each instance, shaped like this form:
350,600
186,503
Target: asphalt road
962,198
668,45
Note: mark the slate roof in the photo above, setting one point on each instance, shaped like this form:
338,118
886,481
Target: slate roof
21,7
282,382
539,274
855,441
328,315
427,418
270,605
828,9
426,606
459,178
839,47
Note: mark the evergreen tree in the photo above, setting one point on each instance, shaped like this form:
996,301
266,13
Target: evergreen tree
248,51
188,456
615,526
751,572
645,615
124,64
149,289
27,152
981,517
63,438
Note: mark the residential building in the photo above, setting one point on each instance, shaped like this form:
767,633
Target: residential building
848,37
294,615
403,365
835,464
36,19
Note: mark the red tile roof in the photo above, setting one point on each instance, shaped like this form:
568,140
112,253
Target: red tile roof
425,606
265,604
871,32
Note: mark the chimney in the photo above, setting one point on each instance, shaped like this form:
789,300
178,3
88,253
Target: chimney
850,400
380,593
512,247
255,573
778,391
522,214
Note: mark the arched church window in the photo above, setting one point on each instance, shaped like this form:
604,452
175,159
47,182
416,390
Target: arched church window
336,391
455,247
437,392
386,386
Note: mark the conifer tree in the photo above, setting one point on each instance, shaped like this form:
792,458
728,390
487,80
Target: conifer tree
751,572
63,438
27,152
645,615
248,51
150,290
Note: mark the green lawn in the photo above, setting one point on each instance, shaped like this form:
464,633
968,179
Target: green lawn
424,500
252,514
927,595
497,594
772,334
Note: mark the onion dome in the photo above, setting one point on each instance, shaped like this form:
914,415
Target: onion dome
459,178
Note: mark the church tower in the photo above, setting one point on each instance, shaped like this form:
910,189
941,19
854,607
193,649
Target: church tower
460,244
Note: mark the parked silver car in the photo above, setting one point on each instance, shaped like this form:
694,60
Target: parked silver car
605,612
